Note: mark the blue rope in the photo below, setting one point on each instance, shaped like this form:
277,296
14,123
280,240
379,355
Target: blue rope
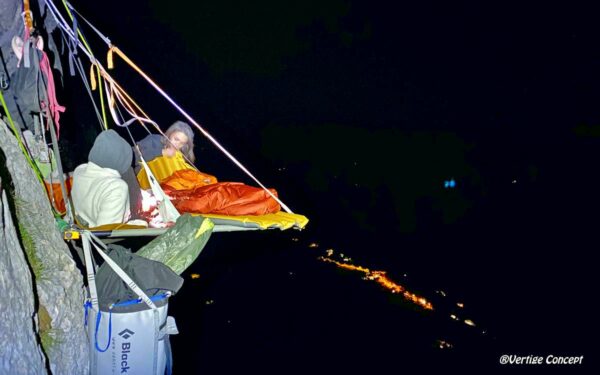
139,300
169,354
109,331
87,306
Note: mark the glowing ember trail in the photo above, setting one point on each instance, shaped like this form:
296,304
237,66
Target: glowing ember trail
382,279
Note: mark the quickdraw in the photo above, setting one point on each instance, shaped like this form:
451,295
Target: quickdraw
4,81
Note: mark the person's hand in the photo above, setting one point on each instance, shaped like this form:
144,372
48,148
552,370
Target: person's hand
169,152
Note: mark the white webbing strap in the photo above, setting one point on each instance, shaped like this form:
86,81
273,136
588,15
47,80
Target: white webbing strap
89,266
165,207
87,236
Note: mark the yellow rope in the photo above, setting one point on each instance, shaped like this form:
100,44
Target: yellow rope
101,92
21,145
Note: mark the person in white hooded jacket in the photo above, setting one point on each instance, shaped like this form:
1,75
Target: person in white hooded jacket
100,194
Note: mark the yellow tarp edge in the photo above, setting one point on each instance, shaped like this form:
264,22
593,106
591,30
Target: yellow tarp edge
114,227
204,227
280,220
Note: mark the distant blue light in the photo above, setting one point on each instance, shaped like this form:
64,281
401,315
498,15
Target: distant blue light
449,184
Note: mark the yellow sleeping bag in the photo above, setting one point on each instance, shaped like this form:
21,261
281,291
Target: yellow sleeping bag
162,167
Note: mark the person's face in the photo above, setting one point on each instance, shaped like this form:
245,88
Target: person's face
178,140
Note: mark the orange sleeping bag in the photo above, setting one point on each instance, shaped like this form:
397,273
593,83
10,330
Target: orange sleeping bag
192,191
55,194
186,179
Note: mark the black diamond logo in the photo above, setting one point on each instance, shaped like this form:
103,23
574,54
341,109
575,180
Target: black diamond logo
126,333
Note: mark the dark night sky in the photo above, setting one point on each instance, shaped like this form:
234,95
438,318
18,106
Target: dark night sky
371,106
405,94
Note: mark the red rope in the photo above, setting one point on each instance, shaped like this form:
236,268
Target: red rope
52,107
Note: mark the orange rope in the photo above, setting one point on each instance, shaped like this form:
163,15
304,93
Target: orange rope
92,77
127,101
127,96
110,63
27,15
121,90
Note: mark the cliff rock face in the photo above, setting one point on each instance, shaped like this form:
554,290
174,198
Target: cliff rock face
57,289
19,349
